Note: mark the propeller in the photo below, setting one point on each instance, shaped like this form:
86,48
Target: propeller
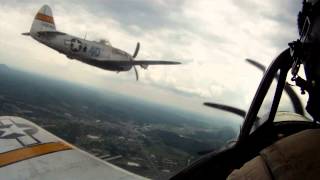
297,105
144,63
136,51
223,107
256,64
132,59
296,102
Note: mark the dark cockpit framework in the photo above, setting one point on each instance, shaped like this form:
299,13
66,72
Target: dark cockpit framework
303,52
296,102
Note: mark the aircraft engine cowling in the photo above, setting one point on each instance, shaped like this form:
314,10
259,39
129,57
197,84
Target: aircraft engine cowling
144,66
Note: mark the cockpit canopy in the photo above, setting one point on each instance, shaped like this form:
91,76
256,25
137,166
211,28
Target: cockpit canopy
104,42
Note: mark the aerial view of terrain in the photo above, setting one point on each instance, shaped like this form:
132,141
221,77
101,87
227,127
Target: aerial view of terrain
143,137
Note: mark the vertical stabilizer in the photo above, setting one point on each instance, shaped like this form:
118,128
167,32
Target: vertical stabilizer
43,21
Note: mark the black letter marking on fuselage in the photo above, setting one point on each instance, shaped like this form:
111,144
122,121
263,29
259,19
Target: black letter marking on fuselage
94,51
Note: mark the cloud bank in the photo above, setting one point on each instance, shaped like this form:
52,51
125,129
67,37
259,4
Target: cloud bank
212,38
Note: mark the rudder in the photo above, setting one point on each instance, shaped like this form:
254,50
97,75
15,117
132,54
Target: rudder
43,21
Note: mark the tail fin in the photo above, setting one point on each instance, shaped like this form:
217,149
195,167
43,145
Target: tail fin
43,21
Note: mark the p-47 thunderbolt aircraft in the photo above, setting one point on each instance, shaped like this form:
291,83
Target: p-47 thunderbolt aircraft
100,54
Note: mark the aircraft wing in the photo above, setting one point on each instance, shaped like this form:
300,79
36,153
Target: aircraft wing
130,63
141,63
155,62
30,152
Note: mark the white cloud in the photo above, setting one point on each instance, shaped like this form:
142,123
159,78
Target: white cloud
214,37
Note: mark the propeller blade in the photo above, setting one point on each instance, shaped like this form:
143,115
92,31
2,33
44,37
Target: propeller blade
295,100
136,51
136,71
257,65
223,107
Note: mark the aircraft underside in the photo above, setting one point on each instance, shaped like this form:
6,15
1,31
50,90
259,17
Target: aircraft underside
111,66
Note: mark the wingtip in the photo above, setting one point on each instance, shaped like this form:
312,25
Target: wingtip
175,62
26,33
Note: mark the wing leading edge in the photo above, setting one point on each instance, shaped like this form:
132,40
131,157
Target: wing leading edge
155,62
131,63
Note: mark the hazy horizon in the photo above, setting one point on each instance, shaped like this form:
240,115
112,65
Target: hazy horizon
212,45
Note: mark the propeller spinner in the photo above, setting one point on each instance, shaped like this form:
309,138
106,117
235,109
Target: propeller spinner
144,63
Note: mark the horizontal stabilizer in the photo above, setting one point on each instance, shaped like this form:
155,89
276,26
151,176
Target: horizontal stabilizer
50,33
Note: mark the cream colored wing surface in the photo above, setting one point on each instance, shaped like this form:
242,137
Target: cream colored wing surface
29,152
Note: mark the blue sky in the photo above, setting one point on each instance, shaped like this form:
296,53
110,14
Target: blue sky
212,38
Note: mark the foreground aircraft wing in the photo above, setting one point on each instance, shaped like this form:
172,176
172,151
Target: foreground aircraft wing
30,152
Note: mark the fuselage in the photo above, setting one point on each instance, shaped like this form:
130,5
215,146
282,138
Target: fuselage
89,52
